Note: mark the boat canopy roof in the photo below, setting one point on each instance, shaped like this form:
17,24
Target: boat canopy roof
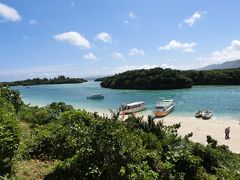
134,103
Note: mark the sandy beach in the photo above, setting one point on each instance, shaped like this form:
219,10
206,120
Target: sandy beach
215,127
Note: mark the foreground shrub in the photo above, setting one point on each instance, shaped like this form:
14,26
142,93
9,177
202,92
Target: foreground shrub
43,115
9,141
92,147
11,96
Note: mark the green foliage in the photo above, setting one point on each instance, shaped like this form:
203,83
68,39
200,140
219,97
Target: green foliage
139,171
156,78
186,164
38,81
6,106
11,96
91,146
9,140
215,77
43,115
10,102
212,142
159,78
100,79
59,107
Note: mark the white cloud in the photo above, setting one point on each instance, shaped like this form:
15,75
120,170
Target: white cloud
117,55
104,37
173,44
125,22
33,22
232,52
136,52
133,67
194,18
145,66
73,38
90,56
8,13
131,15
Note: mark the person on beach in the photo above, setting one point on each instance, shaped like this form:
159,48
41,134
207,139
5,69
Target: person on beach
227,131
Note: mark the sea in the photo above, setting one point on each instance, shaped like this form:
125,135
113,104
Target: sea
224,101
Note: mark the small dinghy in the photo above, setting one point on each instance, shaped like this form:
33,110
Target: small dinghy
207,114
198,114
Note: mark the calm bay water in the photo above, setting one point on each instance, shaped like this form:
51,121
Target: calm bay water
224,101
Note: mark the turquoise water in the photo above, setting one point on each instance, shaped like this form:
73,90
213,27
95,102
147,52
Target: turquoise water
224,101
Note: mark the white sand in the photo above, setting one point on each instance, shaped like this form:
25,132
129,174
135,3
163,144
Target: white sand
215,127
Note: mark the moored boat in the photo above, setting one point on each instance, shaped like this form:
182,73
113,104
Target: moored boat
132,107
95,96
198,114
164,107
207,114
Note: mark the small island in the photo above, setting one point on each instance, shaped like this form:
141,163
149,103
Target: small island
159,78
152,79
37,81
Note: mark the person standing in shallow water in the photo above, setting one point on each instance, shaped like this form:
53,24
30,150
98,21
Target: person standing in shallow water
227,132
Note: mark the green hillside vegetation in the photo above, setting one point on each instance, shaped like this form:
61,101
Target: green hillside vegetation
215,77
159,78
156,78
60,142
38,81
101,78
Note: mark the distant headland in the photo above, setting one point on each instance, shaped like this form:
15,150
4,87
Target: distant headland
38,81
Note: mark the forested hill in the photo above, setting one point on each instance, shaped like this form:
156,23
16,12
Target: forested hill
38,81
156,78
159,78
215,77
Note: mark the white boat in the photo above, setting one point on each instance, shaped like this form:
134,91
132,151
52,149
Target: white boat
96,96
207,114
164,107
132,107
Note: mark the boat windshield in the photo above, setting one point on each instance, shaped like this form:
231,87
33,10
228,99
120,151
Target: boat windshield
164,104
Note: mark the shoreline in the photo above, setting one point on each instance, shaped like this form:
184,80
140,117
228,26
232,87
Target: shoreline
200,128
215,127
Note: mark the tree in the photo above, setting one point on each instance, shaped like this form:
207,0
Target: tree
11,96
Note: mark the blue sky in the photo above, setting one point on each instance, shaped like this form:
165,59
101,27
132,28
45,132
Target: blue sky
100,37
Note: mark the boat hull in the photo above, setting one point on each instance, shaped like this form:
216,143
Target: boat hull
207,116
132,107
95,98
163,113
134,110
198,114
